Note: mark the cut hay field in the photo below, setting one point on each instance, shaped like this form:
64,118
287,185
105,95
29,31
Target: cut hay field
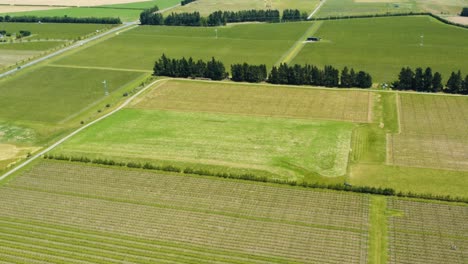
382,46
53,94
254,43
66,3
276,147
206,7
59,211
126,12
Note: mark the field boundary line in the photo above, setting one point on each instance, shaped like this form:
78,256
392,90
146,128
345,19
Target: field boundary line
398,105
322,2
56,144
96,68
370,106
378,245
292,52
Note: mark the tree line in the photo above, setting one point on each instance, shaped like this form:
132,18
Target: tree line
426,81
252,177
312,75
64,19
184,68
186,2
248,73
464,12
218,18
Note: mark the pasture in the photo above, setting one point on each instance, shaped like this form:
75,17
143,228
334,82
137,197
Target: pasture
59,96
67,3
59,211
139,48
366,44
278,148
206,7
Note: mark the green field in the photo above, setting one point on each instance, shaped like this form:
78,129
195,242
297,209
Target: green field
285,148
50,31
206,7
382,46
62,94
366,7
126,12
254,43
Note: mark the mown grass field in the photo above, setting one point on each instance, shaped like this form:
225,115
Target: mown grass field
260,100
360,7
139,48
206,7
126,12
382,46
284,148
53,94
58,211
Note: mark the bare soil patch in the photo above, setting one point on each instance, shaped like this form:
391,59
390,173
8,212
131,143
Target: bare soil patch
8,151
9,57
13,9
458,19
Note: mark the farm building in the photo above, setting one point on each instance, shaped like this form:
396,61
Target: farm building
313,39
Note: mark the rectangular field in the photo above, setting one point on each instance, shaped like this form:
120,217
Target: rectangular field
206,7
382,46
66,3
433,132
366,7
422,232
69,212
53,94
260,100
292,149
141,47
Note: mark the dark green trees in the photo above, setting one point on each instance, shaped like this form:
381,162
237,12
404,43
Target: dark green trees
185,2
150,17
184,68
248,73
293,15
454,83
464,12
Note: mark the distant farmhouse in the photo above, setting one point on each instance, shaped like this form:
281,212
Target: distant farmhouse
313,39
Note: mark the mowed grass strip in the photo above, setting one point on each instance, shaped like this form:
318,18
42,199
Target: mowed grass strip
52,94
433,132
196,218
141,47
382,46
259,100
293,149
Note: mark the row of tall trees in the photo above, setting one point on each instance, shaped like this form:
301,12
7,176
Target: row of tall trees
312,75
293,15
185,68
64,19
464,12
248,73
218,18
426,81
186,2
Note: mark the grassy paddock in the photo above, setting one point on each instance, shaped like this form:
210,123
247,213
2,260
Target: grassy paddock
285,148
254,43
260,100
52,94
367,44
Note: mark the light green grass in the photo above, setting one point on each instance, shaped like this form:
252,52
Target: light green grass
54,30
286,148
141,47
206,7
382,46
378,236
407,179
51,94
162,4
31,46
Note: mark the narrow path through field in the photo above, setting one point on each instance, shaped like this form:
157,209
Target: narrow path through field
378,230
56,144
297,47
316,9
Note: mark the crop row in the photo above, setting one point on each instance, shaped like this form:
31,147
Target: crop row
253,200
248,236
427,232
